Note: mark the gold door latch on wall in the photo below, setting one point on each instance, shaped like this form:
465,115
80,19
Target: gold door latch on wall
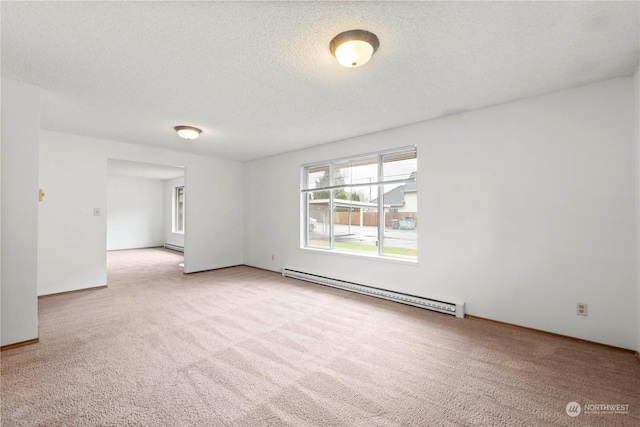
40,194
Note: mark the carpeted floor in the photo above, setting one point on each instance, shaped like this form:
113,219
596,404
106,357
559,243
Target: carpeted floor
246,347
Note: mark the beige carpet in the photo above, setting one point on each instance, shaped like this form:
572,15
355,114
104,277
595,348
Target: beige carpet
245,347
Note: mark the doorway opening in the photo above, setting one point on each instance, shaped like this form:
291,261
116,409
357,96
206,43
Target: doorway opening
146,206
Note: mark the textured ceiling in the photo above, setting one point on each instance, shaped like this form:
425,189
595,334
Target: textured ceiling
259,79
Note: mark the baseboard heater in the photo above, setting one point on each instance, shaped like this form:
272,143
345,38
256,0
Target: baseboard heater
174,247
447,307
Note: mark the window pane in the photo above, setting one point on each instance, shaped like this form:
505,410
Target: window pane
399,166
401,220
360,171
355,221
319,220
318,176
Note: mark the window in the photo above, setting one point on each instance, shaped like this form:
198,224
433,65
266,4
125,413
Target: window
365,205
178,209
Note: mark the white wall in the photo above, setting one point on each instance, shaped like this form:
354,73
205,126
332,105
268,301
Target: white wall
169,236
525,209
74,173
135,213
71,240
637,94
20,127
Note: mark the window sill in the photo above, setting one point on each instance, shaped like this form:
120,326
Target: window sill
402,261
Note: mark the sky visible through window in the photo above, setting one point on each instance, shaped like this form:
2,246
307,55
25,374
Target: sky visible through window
366,173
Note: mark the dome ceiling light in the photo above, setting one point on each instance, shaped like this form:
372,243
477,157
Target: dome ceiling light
188,132
354,48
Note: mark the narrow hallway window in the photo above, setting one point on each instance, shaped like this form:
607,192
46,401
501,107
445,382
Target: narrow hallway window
178,210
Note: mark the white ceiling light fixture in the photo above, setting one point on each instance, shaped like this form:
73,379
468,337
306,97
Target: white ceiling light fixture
354,48
188,132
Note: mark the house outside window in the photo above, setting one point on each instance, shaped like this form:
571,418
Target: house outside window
365,205
178,209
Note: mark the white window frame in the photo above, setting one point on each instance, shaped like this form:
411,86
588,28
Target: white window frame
176,205
380,200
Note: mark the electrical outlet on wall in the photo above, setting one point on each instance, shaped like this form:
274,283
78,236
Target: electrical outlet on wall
582,309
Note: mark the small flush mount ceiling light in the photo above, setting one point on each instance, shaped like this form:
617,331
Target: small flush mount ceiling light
188,132
354,48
